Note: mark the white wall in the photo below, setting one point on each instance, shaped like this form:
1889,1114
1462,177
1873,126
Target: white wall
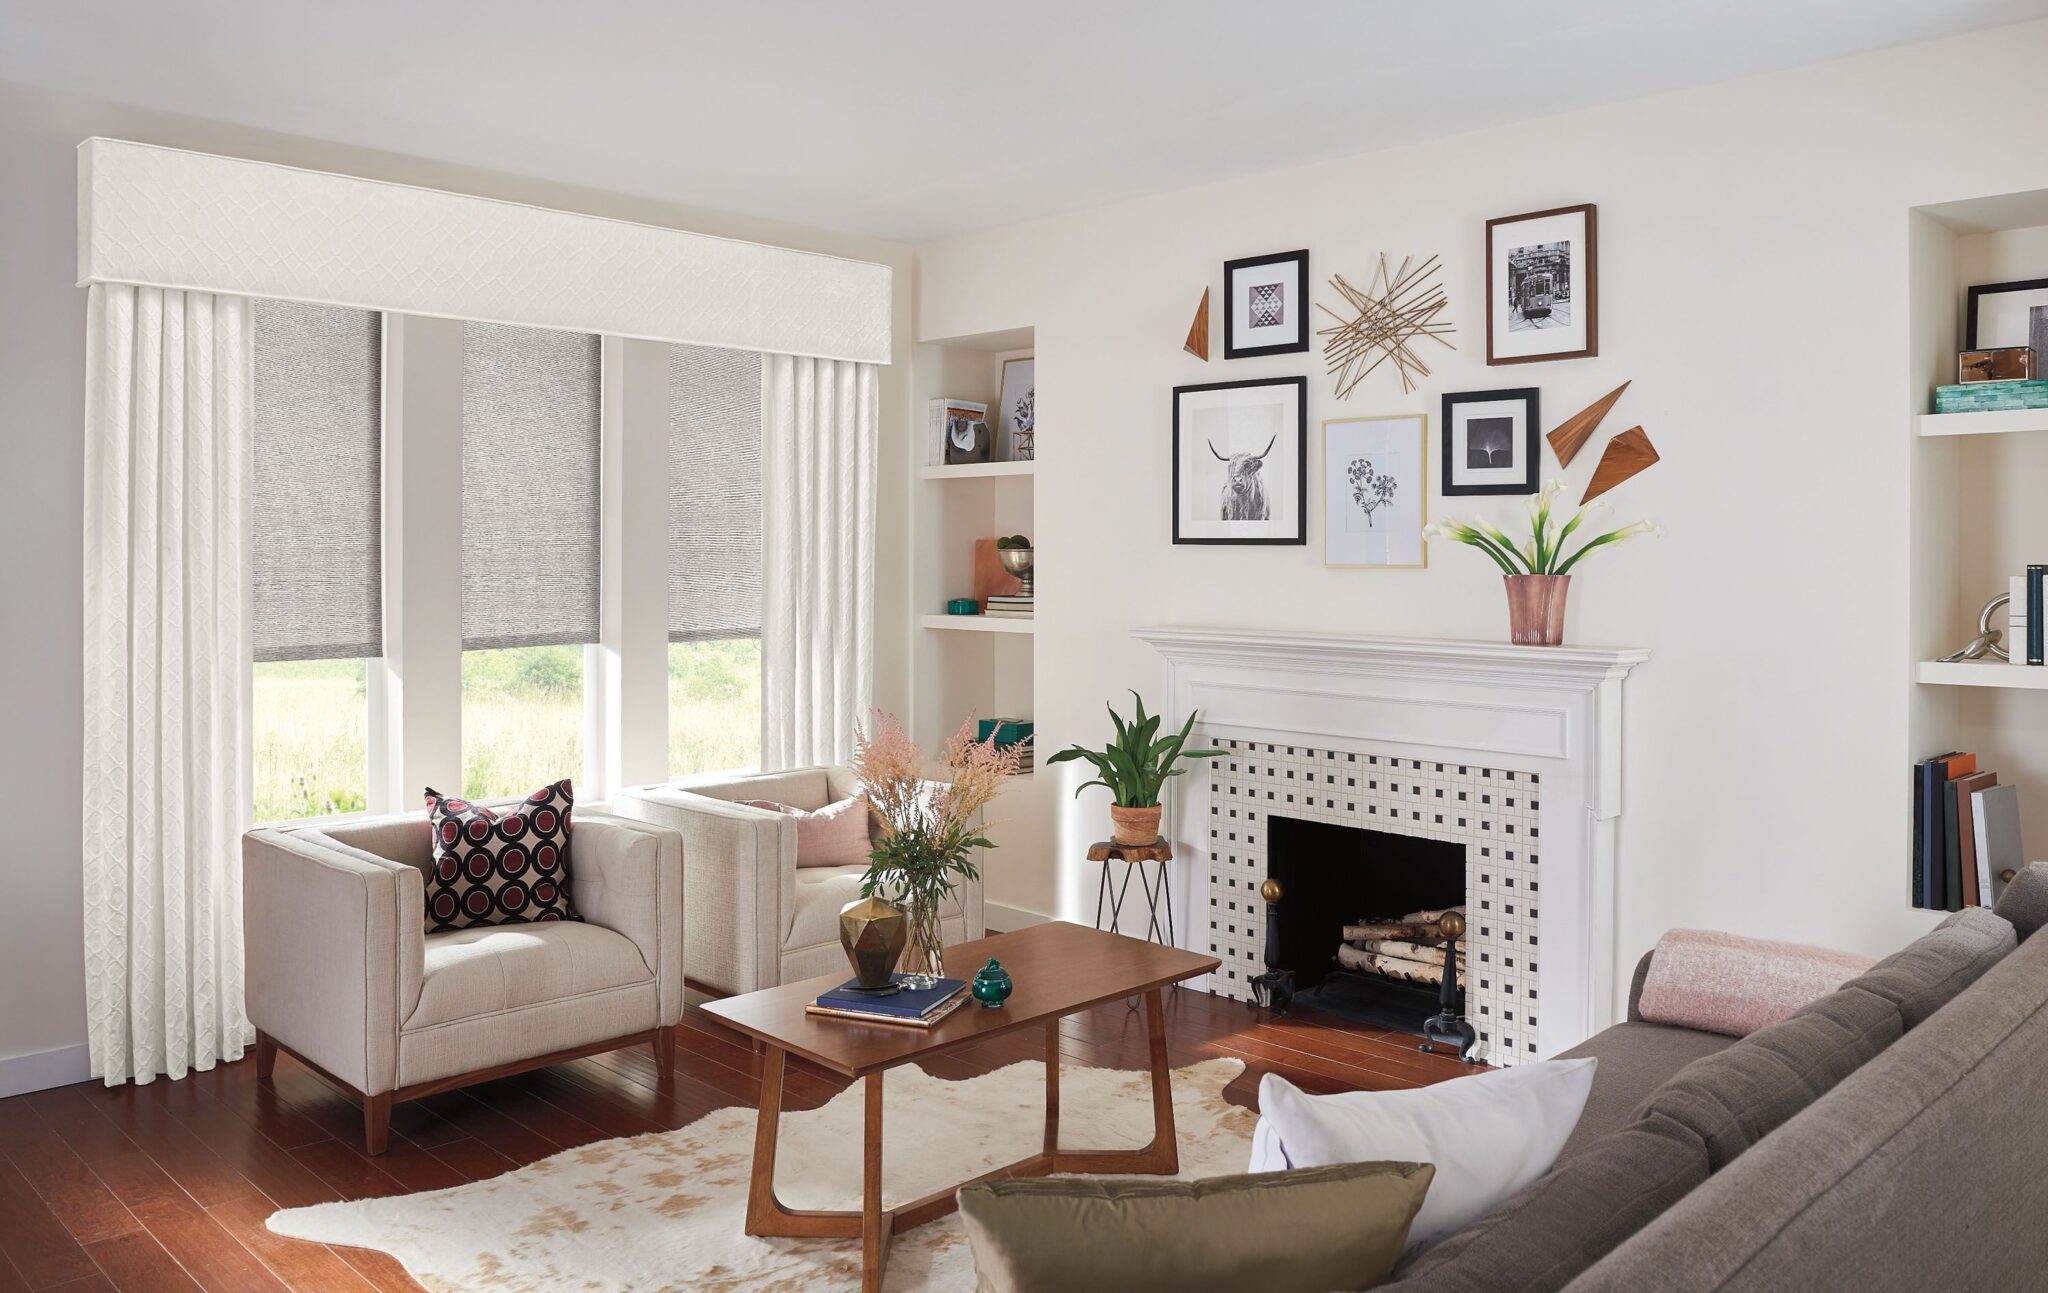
1753,279
42,380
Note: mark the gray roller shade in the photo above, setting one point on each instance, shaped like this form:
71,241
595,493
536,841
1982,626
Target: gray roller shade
714,494
316,549
530,490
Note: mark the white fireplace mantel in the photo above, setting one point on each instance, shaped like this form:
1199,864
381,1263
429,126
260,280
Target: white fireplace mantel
1552,711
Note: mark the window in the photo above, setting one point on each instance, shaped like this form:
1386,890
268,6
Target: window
315,557
531,500
714,560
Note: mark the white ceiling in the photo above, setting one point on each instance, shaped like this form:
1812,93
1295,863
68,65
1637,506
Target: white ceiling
917,118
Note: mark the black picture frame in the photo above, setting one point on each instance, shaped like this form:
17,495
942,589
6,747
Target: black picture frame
1982,290
1231,349
1300,535
1531,437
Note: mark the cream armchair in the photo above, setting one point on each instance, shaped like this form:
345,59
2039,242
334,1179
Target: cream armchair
753,919
342,975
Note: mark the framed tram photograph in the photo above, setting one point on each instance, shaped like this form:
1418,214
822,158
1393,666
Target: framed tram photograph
1490,442
1265,305
1375,490
1240,473
1542,286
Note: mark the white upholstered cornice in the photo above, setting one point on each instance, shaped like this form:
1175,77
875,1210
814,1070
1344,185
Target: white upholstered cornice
163,217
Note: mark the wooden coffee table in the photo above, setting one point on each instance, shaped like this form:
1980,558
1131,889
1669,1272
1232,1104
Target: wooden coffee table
1058,969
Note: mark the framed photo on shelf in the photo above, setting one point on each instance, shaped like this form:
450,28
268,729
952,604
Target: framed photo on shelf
1375,490
1542,286
2008,314
1239,462
1016,423
1490,442
1265,310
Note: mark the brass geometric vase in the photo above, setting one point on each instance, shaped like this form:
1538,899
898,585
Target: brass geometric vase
873,933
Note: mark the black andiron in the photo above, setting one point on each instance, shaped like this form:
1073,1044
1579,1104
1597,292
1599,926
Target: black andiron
1449,1024
1274,988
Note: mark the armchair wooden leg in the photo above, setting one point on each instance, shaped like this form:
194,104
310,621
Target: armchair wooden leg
376,1122
665,1051
266,1056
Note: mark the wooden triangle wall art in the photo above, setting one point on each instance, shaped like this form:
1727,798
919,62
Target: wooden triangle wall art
1572,434
1626,454
1198,331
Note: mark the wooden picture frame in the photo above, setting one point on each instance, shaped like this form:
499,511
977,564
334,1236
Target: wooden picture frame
1404,438
1210,484
1247,332
1543,285
1462,413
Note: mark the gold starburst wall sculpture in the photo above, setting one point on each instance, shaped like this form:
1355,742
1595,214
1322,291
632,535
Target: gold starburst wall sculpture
1401,307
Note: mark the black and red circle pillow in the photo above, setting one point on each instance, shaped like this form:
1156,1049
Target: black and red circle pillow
500,866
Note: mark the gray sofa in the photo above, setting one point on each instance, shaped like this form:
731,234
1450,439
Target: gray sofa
1889,1136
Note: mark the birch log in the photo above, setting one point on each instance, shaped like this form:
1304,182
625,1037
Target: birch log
1388,929
1403,950
1392,967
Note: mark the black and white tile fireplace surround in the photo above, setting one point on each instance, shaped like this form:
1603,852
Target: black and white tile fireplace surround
1513,752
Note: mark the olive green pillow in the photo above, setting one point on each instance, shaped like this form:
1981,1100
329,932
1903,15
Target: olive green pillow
1313,1230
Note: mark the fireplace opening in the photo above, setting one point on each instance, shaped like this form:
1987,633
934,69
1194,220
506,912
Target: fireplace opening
1334,877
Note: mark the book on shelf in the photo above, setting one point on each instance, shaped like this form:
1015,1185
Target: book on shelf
996,613
1932,809
908,1007
1995,816
2034,615
2016,620
1967,789
939,417
1009,599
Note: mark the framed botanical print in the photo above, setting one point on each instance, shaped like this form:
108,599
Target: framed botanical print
1239,462
1375,490
1016,416
1542,286
1265,305
1490,442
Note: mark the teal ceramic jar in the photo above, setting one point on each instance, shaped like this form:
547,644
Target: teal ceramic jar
992,986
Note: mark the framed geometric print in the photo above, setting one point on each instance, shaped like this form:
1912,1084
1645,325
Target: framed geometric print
1265,305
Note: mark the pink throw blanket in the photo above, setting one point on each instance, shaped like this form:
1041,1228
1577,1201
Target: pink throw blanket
1720,983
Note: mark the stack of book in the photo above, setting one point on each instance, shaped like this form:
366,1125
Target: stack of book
1966,833
1011,606
911,1007
1006,732
2025,619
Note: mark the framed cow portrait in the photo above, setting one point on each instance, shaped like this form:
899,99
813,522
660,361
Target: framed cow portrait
1240,451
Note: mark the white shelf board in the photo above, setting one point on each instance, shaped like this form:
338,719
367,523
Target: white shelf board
1982,673
977,470
1995,422
980,624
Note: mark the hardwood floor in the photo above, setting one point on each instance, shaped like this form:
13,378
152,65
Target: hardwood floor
166,1187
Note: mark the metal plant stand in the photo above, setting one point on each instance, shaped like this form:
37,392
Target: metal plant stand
1157,885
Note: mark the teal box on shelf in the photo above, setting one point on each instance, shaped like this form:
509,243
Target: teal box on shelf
963,606
1988,397
1007,731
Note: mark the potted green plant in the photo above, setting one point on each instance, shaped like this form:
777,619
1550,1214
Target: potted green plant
1538,573
1134,768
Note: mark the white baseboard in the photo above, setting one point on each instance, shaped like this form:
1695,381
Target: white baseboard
1001,916
21,1074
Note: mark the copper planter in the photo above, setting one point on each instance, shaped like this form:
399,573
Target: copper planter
1536,608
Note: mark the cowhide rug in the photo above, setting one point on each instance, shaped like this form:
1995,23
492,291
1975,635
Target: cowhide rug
664,1211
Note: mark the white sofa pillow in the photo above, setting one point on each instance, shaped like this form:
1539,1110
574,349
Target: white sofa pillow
1489,1134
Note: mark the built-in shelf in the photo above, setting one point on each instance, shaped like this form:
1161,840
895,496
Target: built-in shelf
980,624
978,470
1995,422
1982,673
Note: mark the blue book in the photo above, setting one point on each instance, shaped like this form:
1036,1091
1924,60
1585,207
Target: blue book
905,1005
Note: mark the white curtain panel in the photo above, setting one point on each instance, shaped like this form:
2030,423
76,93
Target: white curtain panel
819,423
167,459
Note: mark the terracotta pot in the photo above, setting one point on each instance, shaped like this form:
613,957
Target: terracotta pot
1134,825
1536,608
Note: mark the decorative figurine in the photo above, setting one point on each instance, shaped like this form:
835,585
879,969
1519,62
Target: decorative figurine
992,986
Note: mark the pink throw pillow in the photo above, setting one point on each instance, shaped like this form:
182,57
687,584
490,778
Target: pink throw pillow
835,835
1722,983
